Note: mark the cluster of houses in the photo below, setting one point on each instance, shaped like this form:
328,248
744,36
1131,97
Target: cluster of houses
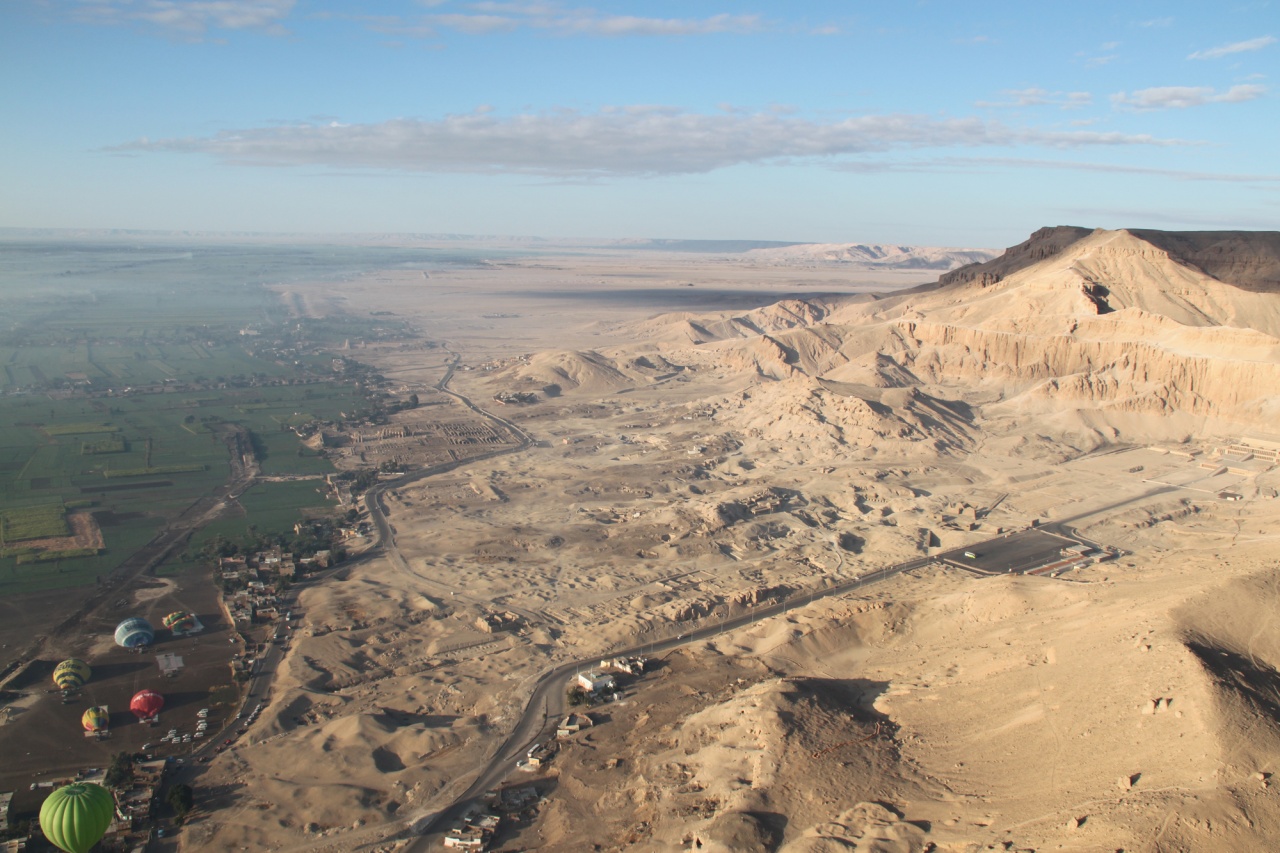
506,398
135,806
602,683
252,583
474,832
477,829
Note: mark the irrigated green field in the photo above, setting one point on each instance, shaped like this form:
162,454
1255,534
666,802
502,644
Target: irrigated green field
20,524
269,508
119,365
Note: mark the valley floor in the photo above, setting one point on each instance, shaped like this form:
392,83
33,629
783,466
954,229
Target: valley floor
1130,704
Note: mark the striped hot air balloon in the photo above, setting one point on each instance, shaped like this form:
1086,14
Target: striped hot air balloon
96,719
75,817
71,674
134,632
179,621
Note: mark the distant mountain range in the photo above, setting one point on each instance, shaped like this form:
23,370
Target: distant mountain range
859,255
874,256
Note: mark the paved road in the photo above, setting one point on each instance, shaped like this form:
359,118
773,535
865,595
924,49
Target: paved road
373,497
547,703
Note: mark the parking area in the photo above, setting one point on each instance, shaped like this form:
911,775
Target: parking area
1023,552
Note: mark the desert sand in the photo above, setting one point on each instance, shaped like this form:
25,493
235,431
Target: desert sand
712,433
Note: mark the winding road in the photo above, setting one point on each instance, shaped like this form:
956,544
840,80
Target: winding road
547,699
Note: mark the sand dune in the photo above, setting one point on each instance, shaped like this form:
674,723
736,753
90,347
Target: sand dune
694,462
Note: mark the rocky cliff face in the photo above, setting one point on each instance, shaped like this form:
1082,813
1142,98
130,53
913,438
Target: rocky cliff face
1118,330
1123,323
1041,245
1247,259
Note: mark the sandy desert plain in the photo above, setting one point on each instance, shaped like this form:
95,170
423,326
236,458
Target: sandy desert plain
710,434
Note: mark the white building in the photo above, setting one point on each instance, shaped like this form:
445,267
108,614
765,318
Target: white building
595,682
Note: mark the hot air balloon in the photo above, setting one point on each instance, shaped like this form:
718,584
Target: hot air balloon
146,704
179,622
134,632
96,719
76,816
71,674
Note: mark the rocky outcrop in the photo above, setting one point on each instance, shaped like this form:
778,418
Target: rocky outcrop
1040,246
1249,260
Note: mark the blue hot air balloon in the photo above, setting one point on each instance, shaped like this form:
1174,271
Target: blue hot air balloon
134,632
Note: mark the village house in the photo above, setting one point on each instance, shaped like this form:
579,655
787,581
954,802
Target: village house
631,666
572,724
596,682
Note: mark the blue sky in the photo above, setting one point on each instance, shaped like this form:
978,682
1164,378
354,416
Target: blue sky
941,123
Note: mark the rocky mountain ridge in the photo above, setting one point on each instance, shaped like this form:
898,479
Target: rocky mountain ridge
1126,326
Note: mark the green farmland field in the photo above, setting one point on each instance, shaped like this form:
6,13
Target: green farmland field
120,363
18,524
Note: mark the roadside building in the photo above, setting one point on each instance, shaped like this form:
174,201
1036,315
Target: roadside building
596,682
465,838
631,666
572,724
474,833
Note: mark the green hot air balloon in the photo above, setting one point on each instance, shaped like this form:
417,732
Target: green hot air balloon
76,816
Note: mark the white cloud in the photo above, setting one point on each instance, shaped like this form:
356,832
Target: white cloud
489,17
625,141
1110,168
1235,47
474,24
192,17
1036,97
1181,97
589,23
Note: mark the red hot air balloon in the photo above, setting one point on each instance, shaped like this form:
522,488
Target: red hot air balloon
146,704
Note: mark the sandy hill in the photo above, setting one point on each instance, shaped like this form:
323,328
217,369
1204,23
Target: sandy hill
1249,260
1117,324
556,372
1087,332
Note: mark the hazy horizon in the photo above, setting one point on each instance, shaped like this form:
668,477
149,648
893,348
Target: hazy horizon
924,125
